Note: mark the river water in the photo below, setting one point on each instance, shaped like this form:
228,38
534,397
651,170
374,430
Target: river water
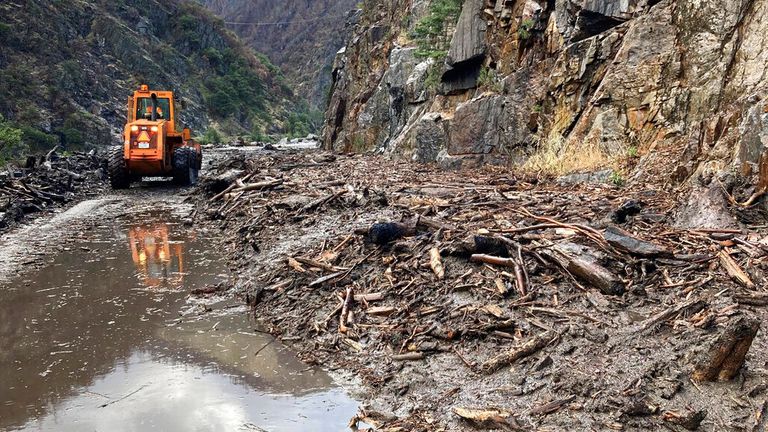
106,337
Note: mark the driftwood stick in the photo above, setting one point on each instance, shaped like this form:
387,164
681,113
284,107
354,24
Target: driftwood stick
436,263
734,270
408,356
519,352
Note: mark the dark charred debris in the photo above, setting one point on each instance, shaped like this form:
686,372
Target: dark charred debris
47,183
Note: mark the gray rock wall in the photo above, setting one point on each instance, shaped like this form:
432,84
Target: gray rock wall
681,82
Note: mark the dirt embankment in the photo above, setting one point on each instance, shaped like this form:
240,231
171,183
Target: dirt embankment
479,299
47,184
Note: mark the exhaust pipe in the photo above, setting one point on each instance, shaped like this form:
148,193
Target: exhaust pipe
154,107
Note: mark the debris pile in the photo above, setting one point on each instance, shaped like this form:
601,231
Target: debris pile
479,299
47,184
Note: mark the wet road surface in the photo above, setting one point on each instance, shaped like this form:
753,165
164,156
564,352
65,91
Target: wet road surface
106,338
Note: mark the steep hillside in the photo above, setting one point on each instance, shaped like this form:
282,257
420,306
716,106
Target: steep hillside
67,67
672,90
303,45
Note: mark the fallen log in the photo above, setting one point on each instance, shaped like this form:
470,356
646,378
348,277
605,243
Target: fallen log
586,270
752,299
625,242
257,186
519,352
726,356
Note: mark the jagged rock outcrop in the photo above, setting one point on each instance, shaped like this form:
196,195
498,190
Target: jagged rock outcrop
569,84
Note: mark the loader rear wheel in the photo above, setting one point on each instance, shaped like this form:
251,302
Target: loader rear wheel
185,166
117,169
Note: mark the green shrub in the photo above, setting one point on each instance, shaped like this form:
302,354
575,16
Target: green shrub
11,145
524,31
489,79
37,139
211,136
430,33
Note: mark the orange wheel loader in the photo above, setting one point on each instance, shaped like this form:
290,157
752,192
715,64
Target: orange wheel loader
152,146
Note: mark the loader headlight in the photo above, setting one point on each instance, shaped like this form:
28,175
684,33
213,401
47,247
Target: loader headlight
154,129
134,128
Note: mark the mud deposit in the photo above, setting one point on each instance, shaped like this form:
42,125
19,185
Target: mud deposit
105,336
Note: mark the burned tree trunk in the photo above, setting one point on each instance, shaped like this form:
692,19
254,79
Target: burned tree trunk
726,356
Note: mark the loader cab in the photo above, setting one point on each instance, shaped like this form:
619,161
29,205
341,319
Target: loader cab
140,107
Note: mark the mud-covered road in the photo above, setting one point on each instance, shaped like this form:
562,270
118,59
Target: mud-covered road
100,330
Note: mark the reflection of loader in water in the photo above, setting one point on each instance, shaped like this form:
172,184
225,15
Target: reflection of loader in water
158,261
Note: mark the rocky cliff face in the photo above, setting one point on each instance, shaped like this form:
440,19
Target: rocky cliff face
300,36
67,67
566,85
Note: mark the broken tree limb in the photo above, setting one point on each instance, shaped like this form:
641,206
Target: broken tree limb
257,186
519,352
436,263
550,407
734,270
693,305
520,273
321,201
348,300
586,270
762,183
726,356
318,264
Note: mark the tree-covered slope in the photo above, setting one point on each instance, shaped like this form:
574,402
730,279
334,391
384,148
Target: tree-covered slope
68,66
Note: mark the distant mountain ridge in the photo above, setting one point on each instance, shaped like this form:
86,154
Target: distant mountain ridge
300,36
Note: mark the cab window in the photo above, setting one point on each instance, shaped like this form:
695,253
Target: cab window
144,108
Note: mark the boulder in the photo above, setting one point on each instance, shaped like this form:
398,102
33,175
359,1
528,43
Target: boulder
475,126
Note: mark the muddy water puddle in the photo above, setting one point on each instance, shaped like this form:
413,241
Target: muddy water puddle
107,338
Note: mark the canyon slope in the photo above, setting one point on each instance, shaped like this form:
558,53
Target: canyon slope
67,67
299,36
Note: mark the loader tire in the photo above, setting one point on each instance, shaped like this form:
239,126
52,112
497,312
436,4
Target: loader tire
185,170
117,169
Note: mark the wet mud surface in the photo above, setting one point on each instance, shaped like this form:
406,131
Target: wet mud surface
100,331
488,300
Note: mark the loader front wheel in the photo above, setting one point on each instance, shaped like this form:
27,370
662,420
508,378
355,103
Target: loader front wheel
185,166
117,169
